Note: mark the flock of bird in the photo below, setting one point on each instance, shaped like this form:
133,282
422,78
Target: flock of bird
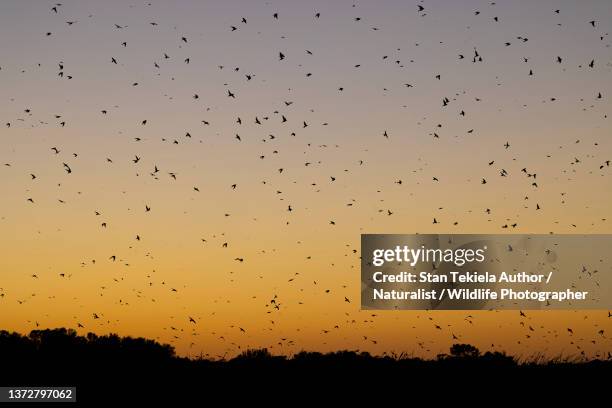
315,186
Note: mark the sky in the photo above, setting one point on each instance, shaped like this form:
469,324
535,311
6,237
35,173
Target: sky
379,118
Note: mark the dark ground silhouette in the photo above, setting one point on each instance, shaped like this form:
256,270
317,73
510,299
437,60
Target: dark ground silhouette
111,367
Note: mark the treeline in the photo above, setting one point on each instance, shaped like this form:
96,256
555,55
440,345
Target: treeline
130,366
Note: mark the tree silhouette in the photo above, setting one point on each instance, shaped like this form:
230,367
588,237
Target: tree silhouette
464,351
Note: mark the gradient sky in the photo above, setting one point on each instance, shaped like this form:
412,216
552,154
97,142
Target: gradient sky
347,79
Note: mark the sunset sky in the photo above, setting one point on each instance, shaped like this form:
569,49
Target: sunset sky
527,88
